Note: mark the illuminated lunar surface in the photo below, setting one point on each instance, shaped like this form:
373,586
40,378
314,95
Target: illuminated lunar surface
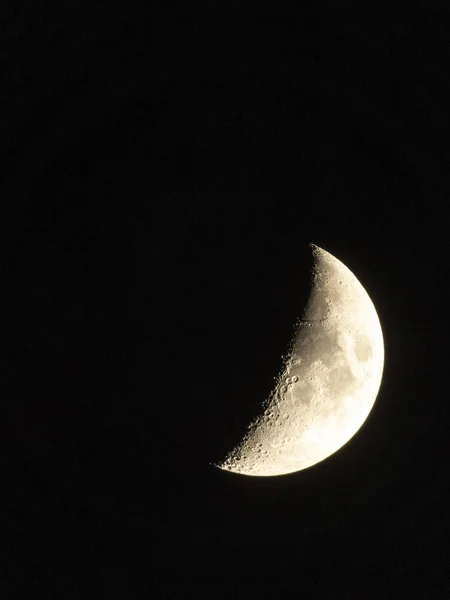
328,383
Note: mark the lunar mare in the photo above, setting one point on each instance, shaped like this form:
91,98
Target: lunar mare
328,383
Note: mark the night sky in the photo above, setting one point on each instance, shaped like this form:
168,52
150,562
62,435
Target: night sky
161,181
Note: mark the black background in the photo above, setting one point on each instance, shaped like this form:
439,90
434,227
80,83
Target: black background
162,179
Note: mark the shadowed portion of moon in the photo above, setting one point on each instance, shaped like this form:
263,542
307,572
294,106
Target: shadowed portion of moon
328,382
263,308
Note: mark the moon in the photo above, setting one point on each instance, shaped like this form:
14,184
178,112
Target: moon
328,383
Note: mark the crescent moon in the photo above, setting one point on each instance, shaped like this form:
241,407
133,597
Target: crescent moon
328,383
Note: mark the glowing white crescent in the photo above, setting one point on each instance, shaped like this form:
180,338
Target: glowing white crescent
328,383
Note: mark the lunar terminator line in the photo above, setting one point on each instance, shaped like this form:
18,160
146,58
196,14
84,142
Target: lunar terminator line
328,383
